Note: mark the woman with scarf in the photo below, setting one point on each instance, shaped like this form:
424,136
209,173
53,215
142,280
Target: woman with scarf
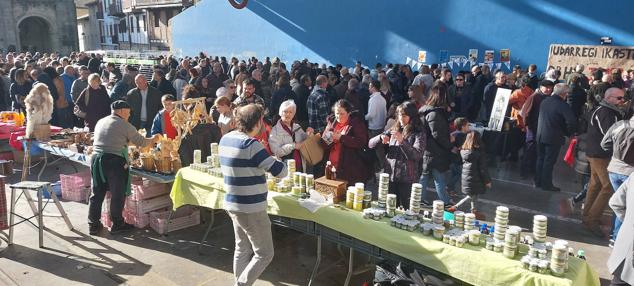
286,136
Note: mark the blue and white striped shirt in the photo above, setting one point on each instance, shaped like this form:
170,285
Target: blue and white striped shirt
244,163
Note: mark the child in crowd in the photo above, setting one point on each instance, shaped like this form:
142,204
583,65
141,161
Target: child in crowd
475,175
458,138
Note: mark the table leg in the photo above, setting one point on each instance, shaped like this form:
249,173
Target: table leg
350,267
60,208
11,216
211,224
314,274
43,166
40,217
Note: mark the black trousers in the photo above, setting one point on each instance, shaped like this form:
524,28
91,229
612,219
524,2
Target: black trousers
403,192
546,158
116,174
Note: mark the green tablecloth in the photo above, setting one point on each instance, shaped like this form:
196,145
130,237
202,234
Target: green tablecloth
474,265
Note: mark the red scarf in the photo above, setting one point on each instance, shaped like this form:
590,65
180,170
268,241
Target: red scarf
296,154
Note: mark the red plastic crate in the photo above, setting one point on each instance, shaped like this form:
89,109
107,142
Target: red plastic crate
138,220
76,187
184,217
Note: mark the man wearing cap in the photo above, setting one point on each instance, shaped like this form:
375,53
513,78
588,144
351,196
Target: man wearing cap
109,167
530,112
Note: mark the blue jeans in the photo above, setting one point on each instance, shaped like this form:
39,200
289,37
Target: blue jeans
616,180
546,158
440,179
455,175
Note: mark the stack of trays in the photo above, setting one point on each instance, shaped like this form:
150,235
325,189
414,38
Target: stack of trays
558,260
540,226
501,222
415,197
438,212
459,217
384,185
469,221
391,205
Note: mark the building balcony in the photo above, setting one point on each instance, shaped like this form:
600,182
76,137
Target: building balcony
135,5
115,10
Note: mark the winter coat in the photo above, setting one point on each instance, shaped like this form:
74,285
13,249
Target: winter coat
351,168
556,121
152,101
461,99
165,87
96,106
601,119
18,93
475,175
438,148
403,160
301,98
284,93
282,143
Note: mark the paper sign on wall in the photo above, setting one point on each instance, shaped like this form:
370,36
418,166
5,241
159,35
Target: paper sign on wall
473,55
488,56
505,55
422,56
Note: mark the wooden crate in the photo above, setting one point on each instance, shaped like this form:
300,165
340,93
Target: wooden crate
336,188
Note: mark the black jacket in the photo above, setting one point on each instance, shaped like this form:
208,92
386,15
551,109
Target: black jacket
438,149
601,119
556,121
301,97
475,175
165,87
200,138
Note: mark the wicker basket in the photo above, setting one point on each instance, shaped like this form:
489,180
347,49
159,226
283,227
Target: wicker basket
147,163
176,165
164,165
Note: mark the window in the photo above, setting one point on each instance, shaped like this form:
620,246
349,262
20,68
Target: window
157,19
137,25
144,23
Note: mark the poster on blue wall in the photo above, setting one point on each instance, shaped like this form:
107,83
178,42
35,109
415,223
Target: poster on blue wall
473,56
444,56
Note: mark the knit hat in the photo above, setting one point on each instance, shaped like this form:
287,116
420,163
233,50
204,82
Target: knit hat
546,83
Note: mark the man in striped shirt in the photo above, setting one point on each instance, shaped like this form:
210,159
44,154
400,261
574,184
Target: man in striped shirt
243,162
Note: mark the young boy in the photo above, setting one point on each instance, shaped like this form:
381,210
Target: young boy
457,137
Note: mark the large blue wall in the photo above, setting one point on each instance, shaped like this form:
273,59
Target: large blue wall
344,31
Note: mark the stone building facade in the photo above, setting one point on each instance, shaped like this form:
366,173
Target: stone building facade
38,25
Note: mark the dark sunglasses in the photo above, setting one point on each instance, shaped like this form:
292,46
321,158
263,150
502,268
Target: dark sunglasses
620,98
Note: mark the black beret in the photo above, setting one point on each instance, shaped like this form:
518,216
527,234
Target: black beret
119,104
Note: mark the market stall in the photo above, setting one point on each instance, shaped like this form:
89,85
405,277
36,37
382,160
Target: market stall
472,264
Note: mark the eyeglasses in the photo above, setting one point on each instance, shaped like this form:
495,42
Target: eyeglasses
619,98
232,87
460,79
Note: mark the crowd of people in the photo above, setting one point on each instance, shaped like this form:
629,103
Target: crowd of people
413,125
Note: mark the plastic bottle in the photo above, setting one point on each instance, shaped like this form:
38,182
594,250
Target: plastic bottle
329,170
581,254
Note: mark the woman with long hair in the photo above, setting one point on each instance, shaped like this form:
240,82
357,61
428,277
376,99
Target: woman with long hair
437,156
405,143
19,90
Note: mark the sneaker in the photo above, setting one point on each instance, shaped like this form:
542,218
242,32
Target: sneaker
611,244
94,228
122,228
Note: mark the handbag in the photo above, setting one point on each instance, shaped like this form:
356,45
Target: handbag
77,111
312,152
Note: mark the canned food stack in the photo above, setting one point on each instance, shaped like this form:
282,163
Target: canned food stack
510,242
391,205
297,191
558,259
197,156
214,148
469,221
459,219
501,222
350,196
367,199
438,212
359,194
297,179
540,226
310,181
384,185
290,165
415,197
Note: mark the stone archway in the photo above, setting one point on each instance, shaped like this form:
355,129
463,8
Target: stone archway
34,34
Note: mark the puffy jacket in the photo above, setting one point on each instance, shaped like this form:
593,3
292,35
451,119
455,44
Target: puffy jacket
618,140
438,148
601,119
474,172
403,159
282,143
